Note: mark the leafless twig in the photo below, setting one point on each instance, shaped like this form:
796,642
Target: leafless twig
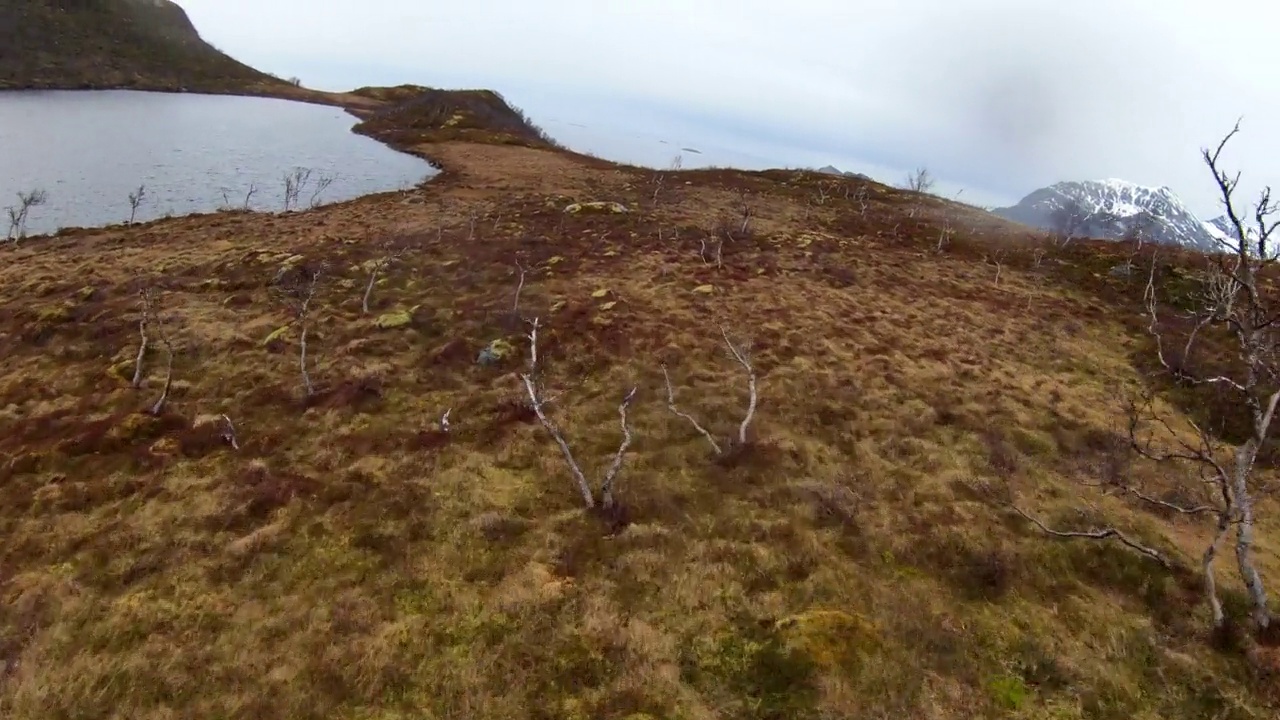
671,404
1102,534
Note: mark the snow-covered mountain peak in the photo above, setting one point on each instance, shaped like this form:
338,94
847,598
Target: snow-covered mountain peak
1113,208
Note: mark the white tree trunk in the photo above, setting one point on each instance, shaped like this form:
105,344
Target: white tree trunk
1210,582
1245,455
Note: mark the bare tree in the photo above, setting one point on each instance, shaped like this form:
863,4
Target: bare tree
1068,221
822,191
860,197
746,210
166,340
944,236
920,181
1232,302
294,183
472,217
658,179
380,265
298,289
1138,231
606,498
996,258
322,184
151,317
18,213
147,298
1037,257
740,354
702,251
248,196
135,201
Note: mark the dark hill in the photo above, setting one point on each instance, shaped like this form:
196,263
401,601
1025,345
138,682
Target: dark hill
424,114
139,44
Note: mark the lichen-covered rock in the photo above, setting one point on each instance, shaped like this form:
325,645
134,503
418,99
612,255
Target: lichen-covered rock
705,289
396,319
596,206
600,293
495,352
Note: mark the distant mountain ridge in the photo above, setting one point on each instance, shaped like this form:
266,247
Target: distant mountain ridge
1113,209
833,170
140,44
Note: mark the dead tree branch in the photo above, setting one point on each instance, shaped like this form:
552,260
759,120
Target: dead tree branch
229,432
671,404
606,495
740,354
1103,534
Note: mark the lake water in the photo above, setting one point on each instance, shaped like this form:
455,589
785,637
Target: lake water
89,150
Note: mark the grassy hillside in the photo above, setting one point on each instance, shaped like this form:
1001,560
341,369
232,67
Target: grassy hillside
352,559
139,44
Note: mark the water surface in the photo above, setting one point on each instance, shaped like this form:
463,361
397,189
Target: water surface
88,150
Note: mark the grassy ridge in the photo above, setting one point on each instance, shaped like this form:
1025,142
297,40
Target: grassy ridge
350,561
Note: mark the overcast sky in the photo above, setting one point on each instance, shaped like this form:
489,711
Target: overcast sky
997,97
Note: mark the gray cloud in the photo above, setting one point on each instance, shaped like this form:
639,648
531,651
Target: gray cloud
996,96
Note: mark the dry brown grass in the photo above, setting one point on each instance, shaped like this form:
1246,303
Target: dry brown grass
349,562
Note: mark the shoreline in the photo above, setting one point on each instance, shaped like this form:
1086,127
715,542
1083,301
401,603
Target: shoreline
360,107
